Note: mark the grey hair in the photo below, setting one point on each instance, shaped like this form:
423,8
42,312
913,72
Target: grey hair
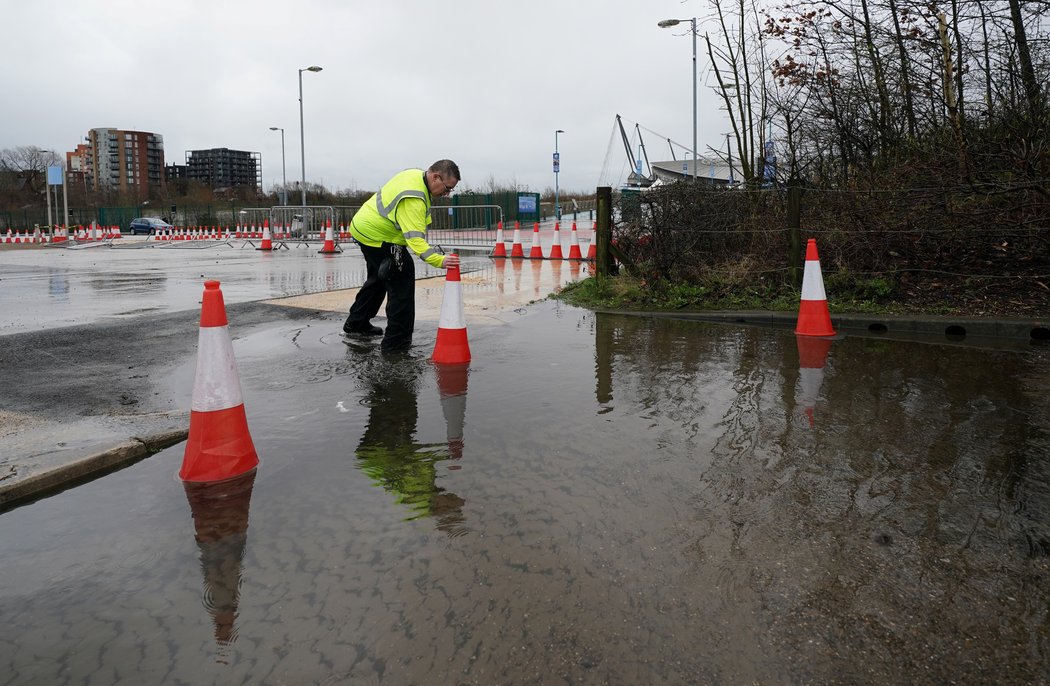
445,168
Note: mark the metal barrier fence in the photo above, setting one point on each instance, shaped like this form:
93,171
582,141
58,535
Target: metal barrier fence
464,225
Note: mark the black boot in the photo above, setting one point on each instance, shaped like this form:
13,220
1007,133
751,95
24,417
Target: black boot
361,329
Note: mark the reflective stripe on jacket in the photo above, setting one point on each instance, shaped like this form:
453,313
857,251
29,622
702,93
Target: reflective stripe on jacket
399,213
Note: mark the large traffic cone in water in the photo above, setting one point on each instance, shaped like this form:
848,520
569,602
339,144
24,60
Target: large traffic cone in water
813,316
329,241
536,252
592,249
812,358
266,242
501,249
515,248
219,445
555,253
451,346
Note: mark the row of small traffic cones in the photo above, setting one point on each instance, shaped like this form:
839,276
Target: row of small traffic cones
536,251
93,233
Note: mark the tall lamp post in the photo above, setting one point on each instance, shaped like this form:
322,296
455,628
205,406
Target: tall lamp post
284,177
302,137
667,23
557,168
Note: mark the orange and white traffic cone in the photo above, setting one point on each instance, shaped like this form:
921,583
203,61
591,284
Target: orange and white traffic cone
813,316
329,241
536,252
451,346
515,248
592,250
219,446
812,358
500,250
266,244
555,253
574,244
452,386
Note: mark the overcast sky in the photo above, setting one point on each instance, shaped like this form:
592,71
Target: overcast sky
404,82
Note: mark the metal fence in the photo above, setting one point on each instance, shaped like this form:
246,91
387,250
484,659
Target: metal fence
464,225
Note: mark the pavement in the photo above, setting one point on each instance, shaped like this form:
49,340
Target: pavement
81,402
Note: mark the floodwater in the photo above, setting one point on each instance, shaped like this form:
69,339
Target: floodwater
94,282
597,499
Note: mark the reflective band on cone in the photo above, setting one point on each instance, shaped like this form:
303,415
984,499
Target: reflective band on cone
813,316
451,346
219,446
515,248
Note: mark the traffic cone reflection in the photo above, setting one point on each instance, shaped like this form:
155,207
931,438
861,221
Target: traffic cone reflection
451,346
812,358
452,387
220,525
516,264
219,445
813,316
537,269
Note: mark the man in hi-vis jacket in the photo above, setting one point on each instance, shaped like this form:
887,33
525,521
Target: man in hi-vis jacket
390,221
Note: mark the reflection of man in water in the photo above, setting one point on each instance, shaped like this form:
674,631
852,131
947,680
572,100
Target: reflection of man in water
389,454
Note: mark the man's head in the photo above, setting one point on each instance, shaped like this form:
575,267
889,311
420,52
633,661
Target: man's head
442,178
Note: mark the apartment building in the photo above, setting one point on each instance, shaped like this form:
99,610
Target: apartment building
225,168
125,161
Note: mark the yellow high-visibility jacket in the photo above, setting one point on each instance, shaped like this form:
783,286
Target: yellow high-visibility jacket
399,213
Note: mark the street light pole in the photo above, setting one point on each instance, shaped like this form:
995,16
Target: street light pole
284,176
666,23
557,168
302,136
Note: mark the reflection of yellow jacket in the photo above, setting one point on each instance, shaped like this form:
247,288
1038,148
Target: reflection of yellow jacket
399,213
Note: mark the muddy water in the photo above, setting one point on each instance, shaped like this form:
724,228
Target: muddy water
597,499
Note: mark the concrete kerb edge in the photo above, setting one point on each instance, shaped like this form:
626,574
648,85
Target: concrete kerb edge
87,467
1019,330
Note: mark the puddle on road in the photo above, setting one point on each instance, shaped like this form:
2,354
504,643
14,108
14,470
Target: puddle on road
596,499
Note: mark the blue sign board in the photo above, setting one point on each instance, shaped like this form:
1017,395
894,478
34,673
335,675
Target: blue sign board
526,204
54,175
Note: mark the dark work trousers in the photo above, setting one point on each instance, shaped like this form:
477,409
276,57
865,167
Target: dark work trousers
397,283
